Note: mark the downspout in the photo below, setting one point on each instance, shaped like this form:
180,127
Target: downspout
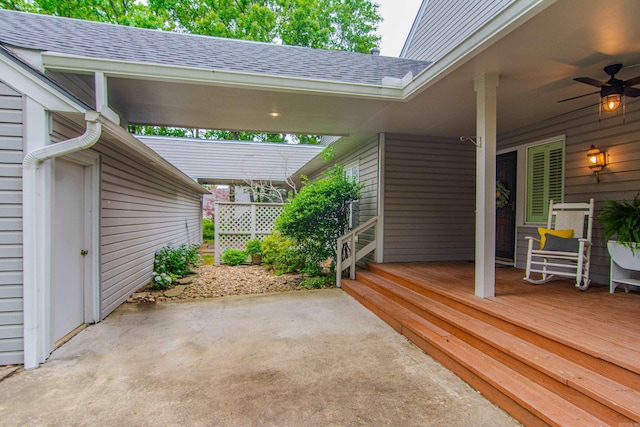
36,349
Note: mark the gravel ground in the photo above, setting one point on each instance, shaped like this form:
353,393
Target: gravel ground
218,281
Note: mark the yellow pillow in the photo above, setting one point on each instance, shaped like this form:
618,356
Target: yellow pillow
567,234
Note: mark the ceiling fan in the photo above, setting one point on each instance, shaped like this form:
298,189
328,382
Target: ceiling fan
612,91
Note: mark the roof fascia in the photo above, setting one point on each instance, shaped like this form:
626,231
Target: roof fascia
24,80
138,70
155,160
516,14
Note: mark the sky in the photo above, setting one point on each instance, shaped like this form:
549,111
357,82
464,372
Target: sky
398,17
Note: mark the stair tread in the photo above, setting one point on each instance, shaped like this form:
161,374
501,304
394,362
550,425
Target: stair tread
593,384
599,348
544,403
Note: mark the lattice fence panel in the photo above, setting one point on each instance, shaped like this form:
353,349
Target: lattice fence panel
237,223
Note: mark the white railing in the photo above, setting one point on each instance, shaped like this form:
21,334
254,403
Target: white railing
347,248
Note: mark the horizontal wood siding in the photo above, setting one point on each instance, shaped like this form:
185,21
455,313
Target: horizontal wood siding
367,156
142,210
447,23
429,199
619,180
11,317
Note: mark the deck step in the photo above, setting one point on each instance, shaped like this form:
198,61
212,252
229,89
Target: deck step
535,404
531,382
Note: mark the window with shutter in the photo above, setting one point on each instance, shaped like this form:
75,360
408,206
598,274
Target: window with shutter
545,176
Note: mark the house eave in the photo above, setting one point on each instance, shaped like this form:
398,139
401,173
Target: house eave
138,70
502,24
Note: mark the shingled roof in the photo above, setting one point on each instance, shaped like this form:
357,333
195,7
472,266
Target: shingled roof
121,43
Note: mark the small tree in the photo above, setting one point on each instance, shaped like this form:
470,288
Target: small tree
318,215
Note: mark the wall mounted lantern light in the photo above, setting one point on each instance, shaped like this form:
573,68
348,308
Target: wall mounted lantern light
597,160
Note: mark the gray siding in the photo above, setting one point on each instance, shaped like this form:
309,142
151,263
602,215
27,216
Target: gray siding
367,156
233,161
11,318
444,24
620,179
142,210
429,198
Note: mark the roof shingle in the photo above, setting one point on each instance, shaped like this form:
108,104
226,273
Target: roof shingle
121,43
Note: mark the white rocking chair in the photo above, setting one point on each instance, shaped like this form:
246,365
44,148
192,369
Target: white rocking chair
568,256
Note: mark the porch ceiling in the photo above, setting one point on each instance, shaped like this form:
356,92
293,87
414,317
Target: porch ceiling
536,63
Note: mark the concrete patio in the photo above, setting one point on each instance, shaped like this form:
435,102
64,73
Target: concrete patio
311,358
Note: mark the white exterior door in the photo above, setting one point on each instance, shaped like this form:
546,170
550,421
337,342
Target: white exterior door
67,239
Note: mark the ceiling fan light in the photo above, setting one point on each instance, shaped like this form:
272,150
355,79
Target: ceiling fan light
611,102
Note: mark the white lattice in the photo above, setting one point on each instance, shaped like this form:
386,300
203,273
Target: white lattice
237,223
266,216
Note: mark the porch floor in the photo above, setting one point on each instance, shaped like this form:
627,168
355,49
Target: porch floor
602,324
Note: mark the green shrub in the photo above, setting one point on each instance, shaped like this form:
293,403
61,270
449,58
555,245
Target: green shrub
208,229
254,247
318,282
234,257
281,254
318,215
172,263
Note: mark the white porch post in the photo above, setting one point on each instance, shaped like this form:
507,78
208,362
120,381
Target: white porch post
485,256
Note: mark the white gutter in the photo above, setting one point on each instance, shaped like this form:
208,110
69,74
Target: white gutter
36,348
91,135
55,61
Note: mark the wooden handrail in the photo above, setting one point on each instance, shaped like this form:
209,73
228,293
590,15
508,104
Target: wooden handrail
354,255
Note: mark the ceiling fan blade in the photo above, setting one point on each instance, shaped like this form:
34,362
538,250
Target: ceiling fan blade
632,82
632,92
579,96
590,81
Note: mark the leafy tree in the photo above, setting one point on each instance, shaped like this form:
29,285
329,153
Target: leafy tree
318,215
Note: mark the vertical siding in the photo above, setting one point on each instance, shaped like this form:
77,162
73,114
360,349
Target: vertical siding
619,180
429,199
142,210
447,23
11,318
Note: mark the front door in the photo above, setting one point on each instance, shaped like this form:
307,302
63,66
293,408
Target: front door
67,239
506,168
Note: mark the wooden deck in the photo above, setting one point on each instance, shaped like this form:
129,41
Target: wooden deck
548,354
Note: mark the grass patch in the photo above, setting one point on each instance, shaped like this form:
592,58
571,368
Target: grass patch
208,259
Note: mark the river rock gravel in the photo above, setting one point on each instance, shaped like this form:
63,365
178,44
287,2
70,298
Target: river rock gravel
222,280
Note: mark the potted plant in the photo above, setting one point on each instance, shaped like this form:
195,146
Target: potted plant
254,248
622,219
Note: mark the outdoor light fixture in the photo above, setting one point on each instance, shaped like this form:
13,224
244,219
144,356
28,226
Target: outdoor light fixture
611,102
274,114
597,160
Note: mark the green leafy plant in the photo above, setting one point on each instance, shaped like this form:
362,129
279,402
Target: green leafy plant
171,263
208,229
318,215
234,257
253,247
622,219
281,254
318,282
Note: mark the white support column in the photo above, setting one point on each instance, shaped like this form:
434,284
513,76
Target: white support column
485,256
102,98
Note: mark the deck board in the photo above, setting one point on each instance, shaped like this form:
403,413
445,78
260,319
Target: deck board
595,321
